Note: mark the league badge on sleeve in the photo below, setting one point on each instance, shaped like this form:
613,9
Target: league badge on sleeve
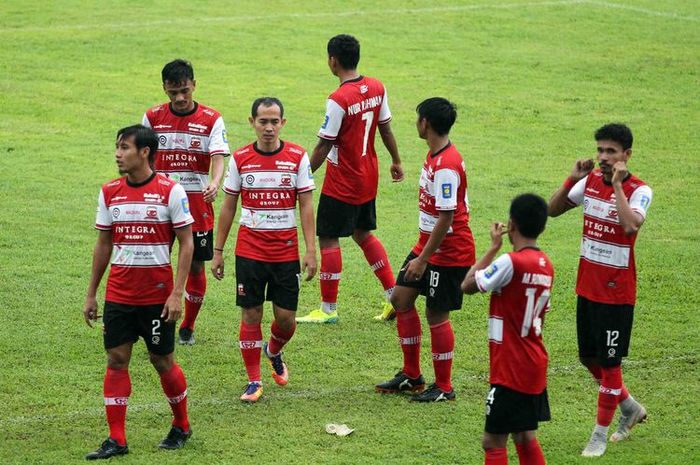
644,202
224,136
490,271
446,191
325,122
185,205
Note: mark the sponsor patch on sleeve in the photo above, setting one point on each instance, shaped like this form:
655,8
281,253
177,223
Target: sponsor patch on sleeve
644,202
325,122
185,205
224,136
446,191
490,271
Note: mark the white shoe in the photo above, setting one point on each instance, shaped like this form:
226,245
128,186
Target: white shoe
624,427
596,446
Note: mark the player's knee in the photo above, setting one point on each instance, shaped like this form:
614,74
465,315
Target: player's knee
360,235
161,363
196,267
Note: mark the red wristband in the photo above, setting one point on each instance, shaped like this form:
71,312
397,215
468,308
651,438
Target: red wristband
569,184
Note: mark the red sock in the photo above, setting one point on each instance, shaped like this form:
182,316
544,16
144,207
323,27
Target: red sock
175,389
329,277
117,389
408,327
251,344
496,457
597,372
530,453
442,342
195,289
608,394
278,338
379,262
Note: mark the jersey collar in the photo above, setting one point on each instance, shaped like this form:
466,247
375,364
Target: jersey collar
433,155
274,152
142,183
191,112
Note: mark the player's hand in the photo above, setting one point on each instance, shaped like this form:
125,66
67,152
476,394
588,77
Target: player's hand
90,311
396,172
414,269
619,172
172,310
497,232
309,265
217,265
582,168
209,192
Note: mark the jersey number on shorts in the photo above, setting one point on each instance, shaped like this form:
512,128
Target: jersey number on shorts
612,338
367,117
533,311
156,328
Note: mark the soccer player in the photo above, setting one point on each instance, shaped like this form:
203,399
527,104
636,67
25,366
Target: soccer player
270,176
346,207
439,261
192,142
138,216
615,205
520,283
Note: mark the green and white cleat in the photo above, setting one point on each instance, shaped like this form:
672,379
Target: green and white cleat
596,446
388,313
318,316
627,422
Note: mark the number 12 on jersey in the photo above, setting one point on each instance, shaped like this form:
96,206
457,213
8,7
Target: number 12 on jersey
533,311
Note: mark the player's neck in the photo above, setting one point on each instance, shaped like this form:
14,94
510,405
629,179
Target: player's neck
139,176
347,75
437,143
520,242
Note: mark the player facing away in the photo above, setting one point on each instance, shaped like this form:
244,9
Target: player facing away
192,142
520,283
437,264
615,206
138,216
346,206
270,176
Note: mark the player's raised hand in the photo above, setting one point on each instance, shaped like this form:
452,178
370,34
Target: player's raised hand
309,265
217,265
619,172
497,232
172,310
582,168
209,192
396,172
90,311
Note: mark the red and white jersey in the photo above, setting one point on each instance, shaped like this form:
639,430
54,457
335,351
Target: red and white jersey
186,144
606,271
352,114
520,284
142,219
443,187
268,184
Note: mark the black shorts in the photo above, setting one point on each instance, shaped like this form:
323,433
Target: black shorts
203,245
281,279
336,218
603,331
125,323
509,411
439,284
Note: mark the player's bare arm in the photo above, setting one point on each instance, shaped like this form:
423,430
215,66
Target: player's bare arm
217,171
173,305
416,267
320,153
308,227
497,231
558,203
630,220
226,215
390,143
100,261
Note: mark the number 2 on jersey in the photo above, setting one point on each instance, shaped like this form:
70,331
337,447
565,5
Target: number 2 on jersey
533,311
367,117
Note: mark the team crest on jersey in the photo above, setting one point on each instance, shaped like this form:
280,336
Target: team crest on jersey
185,205
286,180
490,271
363,89
446,191
612,213
151,212
195,143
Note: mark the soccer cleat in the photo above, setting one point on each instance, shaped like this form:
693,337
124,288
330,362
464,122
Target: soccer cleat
596,445
627,422
318,316
108,449
279,369
401,383
186,337
434,394
253,392
388,313
175,439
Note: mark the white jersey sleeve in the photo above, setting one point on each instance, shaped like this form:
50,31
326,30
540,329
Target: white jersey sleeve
384,112
575,195
640,200
498,274
179,207
145,121
332,122
218,141
446,182
232,181
305,180
103,220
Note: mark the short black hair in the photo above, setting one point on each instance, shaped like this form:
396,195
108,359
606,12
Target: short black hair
143,137
267,102
346,49
529,213
616,132
177,71
440,113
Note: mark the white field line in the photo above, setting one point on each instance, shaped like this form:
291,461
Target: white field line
316,393
646,11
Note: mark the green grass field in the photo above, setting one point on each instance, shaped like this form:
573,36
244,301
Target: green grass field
532,79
